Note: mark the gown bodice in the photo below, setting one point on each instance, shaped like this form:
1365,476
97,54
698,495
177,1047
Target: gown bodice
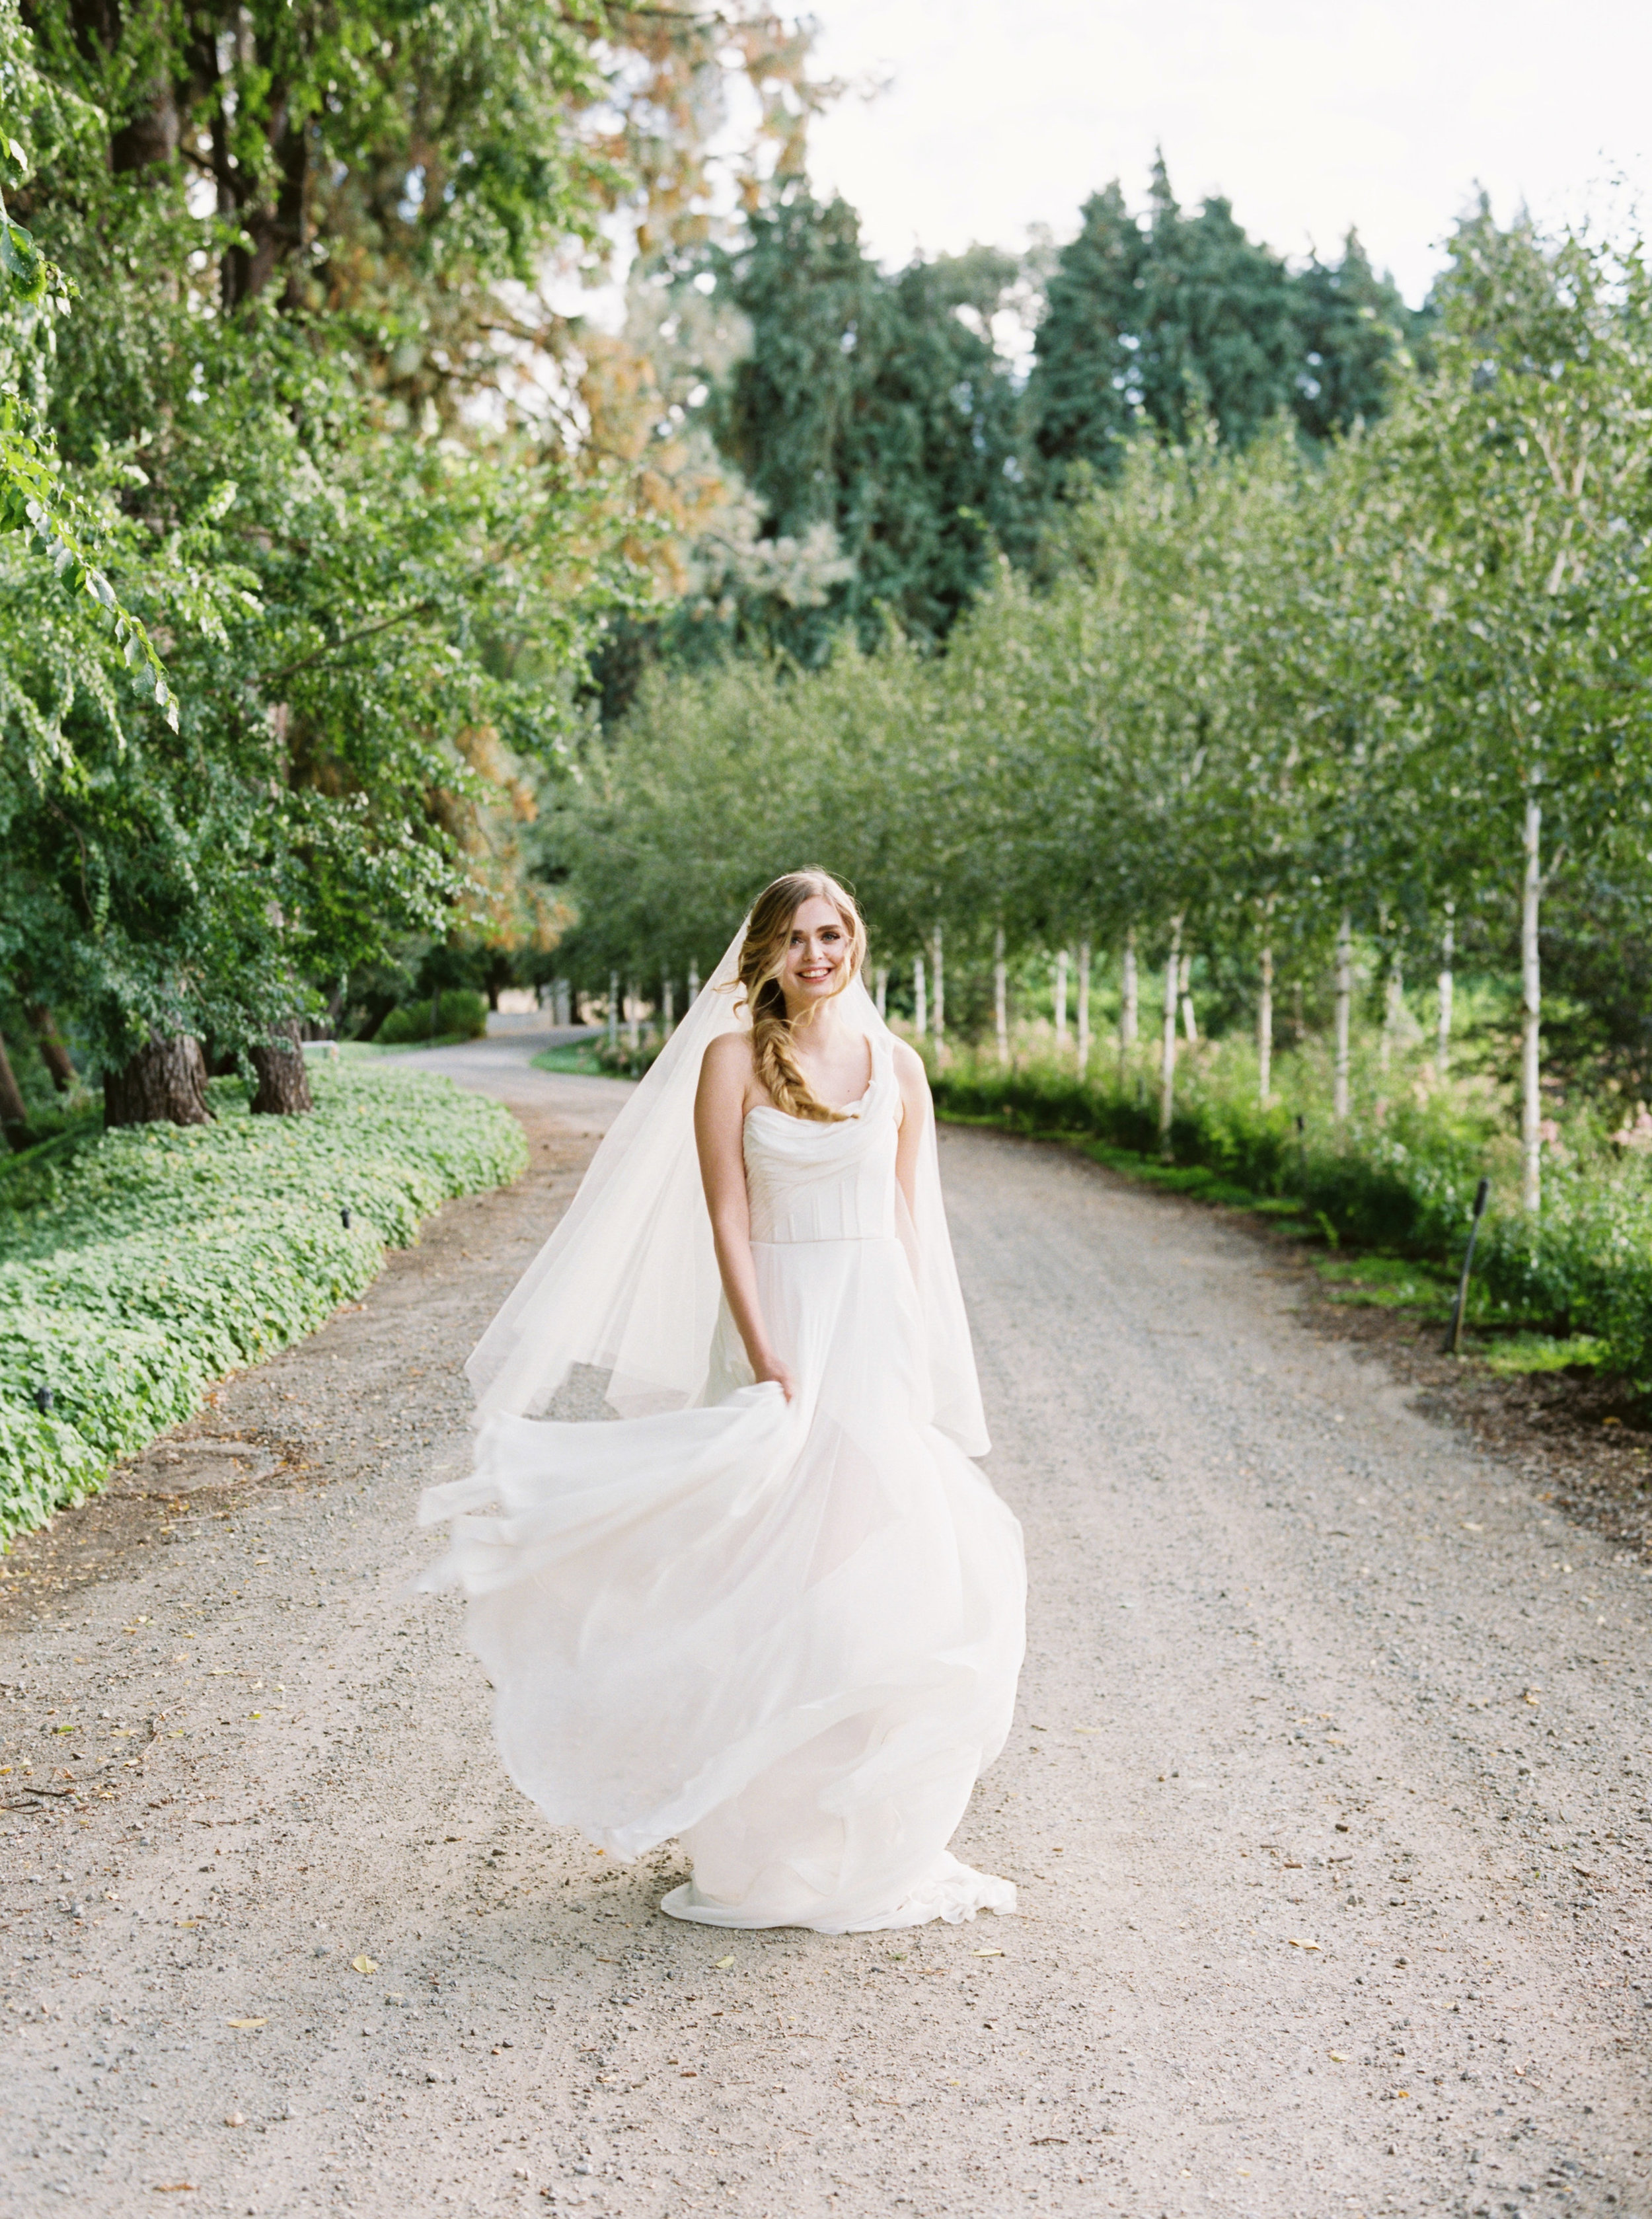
809,1181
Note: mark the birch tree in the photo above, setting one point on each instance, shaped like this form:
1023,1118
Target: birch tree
1530,458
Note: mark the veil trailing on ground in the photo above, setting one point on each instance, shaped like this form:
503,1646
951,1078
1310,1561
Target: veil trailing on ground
628,1283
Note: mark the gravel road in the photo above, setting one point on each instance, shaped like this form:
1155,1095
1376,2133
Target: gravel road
1328,1799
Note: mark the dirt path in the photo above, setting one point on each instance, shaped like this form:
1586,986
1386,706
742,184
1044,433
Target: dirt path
1328,1798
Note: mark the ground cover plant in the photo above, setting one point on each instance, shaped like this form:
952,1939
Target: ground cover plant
143,1263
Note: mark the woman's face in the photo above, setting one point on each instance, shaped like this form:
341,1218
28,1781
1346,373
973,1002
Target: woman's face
820,946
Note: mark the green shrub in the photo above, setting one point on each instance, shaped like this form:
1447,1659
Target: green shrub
460,1013
1402,1180
138,1269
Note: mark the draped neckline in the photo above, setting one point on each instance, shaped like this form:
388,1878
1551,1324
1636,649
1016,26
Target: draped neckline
848,1112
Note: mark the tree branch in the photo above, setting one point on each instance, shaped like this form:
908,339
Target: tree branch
352,639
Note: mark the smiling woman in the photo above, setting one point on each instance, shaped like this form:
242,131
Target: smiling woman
778,1612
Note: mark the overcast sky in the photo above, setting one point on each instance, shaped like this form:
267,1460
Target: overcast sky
1309,115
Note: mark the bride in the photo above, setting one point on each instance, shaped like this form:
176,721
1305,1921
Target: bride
776,1610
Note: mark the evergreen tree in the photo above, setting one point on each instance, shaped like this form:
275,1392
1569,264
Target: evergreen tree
1182,318
879,406
1079,397
1215,321
1350,326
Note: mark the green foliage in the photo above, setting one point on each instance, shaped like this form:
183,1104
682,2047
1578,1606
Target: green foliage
1350,326
877,406
1404,1184
1216,337
460,1013
279,437
136,1271
1176,320
1082,397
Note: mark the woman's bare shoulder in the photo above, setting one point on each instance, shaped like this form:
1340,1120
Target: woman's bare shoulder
909,1069
728,1060
913,1080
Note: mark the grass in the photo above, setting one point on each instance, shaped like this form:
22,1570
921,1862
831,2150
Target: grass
1391,1283
579,1057
1529,1352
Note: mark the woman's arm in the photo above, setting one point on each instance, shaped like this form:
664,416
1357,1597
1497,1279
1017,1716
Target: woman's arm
915,1109
719,1127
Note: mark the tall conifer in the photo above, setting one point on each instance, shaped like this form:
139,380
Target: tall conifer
1079,395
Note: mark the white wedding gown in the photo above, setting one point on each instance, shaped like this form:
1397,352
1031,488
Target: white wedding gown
788,1633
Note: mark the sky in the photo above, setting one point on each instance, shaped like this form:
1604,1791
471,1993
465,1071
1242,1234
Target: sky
1387,114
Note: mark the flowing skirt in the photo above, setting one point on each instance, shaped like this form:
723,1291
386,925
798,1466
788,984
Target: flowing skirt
788,1633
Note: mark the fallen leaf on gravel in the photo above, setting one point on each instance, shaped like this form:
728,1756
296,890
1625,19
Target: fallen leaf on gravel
723,1963
174,2187
235,2119
688,2076
1403,2091
363,1964
986,1953
244,2022
1304,1945
1337,2056
1533,1697
1087,1730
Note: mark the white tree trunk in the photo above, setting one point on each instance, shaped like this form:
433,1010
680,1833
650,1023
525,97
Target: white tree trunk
1128,999
694,984
1265,1032
1001,997
1531,999
880,988
1393,1011
1167,1058
1189,1025
1448,952
668,1006
940,1000
1344,1003
920,1007
613,1008
1060,1000
1084,1007
633,1019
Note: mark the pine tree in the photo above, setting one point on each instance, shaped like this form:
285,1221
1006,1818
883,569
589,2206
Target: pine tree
1078,403
1350,326
873,404
1217,340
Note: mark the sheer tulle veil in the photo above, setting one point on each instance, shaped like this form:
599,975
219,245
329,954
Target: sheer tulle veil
628,1281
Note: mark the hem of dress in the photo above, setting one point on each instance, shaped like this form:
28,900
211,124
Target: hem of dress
952,1897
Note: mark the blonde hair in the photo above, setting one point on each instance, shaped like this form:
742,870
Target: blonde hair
762,957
